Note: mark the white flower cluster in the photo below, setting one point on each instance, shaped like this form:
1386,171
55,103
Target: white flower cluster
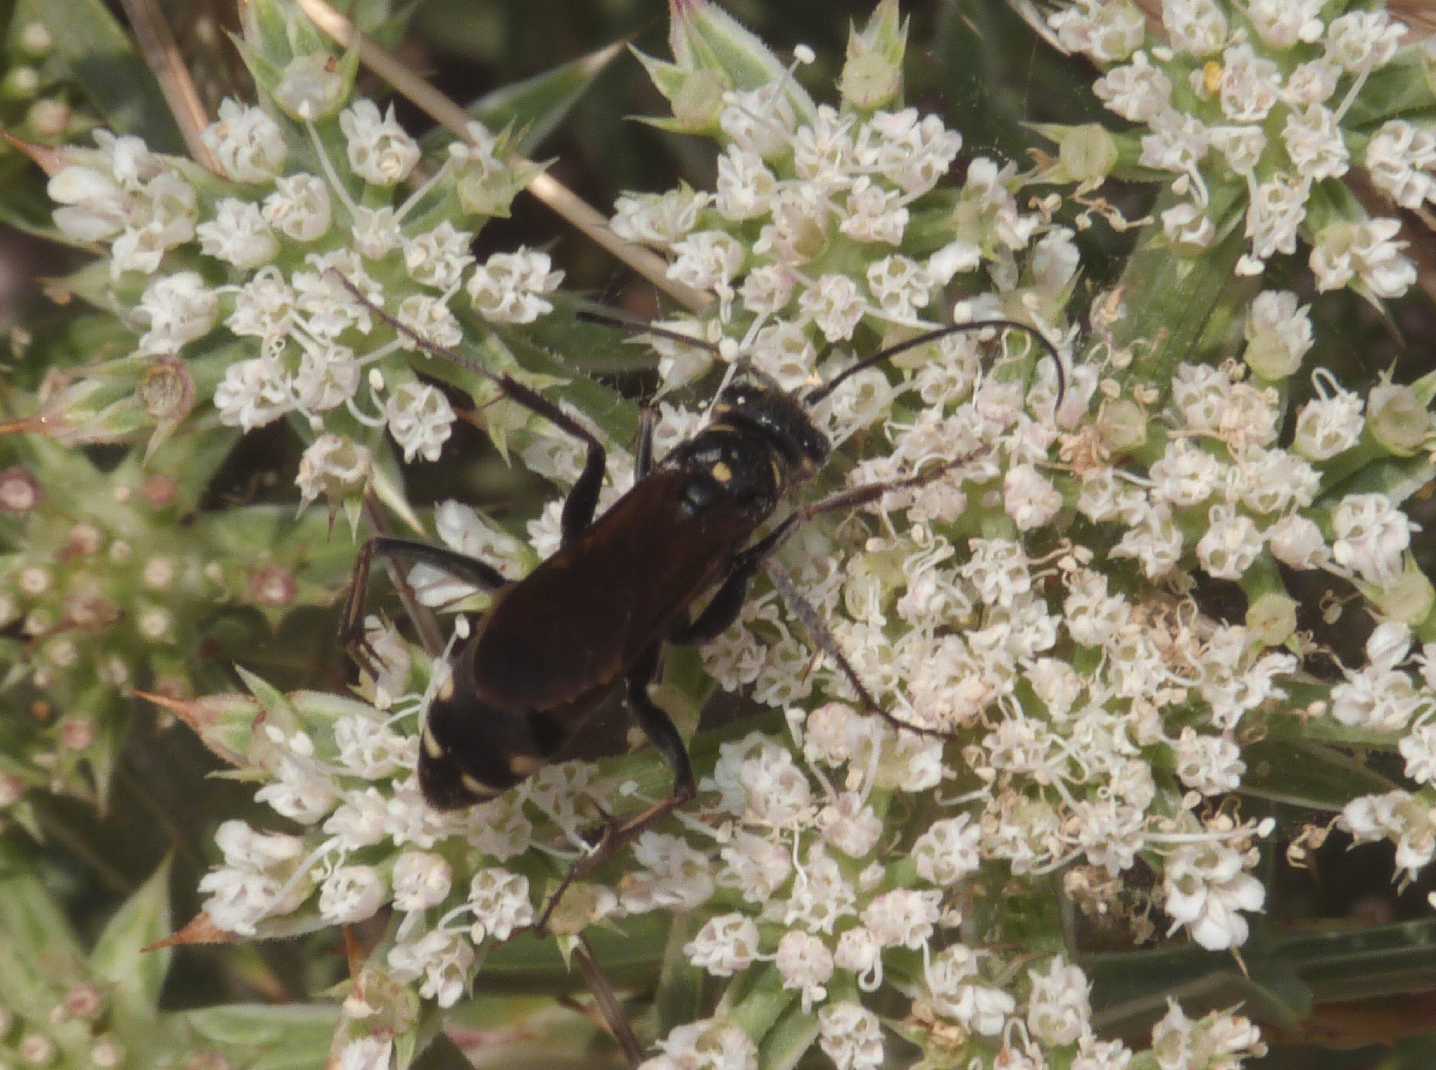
372,842
831,198
1246,103
284,239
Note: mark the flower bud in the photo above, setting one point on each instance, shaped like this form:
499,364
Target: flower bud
1271,618
1397,419
19,491
314,86
1123,425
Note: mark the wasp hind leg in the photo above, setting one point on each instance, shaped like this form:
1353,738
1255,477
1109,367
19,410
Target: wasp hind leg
663,734
461,566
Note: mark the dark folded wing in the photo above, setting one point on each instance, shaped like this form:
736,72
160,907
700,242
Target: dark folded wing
586,615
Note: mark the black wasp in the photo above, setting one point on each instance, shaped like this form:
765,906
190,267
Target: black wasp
598,612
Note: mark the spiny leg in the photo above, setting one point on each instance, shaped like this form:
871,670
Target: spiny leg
663,734
871,492
582,500
462,566
723,608
643,456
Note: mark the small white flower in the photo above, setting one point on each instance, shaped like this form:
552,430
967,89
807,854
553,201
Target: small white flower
806,964
420,419
1230,545
1029,497
1370,535
835,305
1278,333
299,207
350,894
429,318
248,145
334,466
1195,26
1363,40
948,850
178,309
1399,158
851,1036
500,904
1250,85
1343,251
1283,23
1059,1010
725,945
1205,888
238,235
380,151
745,187
367,1053
506,287
1136,91
657,218
443,958
438,257
253,393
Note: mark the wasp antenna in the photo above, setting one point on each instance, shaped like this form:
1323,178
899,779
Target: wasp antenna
419,340
639,327
942,332
825,641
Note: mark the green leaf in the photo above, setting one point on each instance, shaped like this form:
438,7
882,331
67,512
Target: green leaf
32,926
534,107
789,1040
705,37
24,204
1365,963
1307,774
136,976
443,1054
101,58
294,1037
679,999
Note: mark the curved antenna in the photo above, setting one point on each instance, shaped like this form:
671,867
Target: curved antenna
822,392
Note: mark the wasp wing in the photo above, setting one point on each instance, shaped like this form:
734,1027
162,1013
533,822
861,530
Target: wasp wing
579,621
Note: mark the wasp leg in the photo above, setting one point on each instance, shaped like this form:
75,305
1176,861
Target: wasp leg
578,508
871,492
663,734
643,457
659,728
723,609
825,641
467,568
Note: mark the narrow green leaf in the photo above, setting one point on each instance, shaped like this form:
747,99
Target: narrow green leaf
789,1040
119,956
32,926
1307,774
679,997
103,60
24,204
534,107
295,1035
